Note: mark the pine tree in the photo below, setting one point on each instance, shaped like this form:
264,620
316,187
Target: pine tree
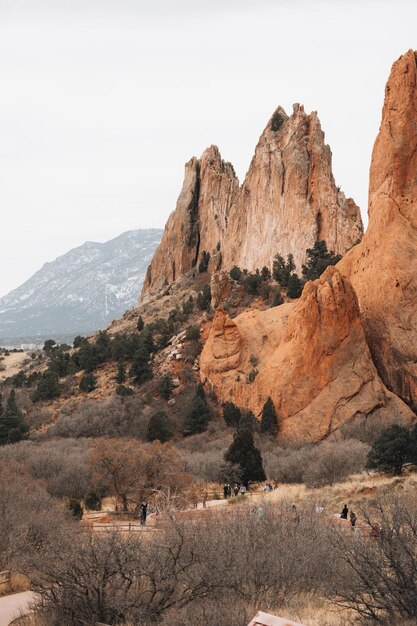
393,448
243,452
318,258
198,415
281,270
140,323
295,286
235,273
159,427
141,369
12,425
231,414
47,387
165,386
121,373
269,421
88,382
248,420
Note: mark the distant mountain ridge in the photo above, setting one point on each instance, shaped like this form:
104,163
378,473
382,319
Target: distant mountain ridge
81,291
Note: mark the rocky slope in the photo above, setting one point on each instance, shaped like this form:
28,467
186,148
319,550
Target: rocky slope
288,201
383,268
310,357
81,291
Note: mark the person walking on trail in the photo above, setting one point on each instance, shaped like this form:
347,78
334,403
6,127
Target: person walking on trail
225,490
344,513
205,496
242,490
236,489
352,517
143,513
294,514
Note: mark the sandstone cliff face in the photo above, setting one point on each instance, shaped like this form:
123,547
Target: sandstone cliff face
289,198
288,201
311,358
383,268
199,221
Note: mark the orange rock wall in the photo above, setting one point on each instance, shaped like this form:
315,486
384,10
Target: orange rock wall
383,268
312,359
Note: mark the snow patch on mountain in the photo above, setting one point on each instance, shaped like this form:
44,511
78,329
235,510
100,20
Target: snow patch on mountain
82,290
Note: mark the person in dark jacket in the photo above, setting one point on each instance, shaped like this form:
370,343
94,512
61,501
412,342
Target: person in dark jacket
344,513
352,517
143,513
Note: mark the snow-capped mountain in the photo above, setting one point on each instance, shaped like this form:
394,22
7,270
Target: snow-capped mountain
81,291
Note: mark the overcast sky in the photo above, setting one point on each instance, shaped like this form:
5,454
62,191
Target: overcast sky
103,101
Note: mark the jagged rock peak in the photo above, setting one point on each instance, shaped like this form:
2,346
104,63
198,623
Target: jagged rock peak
287,201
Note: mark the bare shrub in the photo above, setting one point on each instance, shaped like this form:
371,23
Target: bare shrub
241,559
322,464
332,462
378,573
112,417
62,464
368,430
29,518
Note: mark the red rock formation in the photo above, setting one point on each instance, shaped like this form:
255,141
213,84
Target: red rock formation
199,221
383,268
288,201
311,357
289,198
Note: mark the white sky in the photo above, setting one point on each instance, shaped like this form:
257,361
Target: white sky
103,101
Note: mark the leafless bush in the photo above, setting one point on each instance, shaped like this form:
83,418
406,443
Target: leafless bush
112,417
29,517
242,558
332,462
323,464
378,573
62,464
369,429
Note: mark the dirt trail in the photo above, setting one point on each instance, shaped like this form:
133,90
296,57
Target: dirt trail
14,605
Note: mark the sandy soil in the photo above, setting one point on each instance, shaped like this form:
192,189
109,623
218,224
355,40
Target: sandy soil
12,363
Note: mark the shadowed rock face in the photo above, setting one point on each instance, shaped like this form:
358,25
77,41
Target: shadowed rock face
383,268
288,201
312,360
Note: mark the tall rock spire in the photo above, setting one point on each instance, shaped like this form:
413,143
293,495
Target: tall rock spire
383,268
289,198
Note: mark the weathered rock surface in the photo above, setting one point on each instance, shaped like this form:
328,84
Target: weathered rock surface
311,357
383,267
288,201
289,198
199,221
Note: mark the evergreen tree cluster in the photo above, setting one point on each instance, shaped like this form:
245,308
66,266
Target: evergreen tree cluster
243,453
89,355
396,446
318,259
198,414
159,428
268,424
13,427
283,272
